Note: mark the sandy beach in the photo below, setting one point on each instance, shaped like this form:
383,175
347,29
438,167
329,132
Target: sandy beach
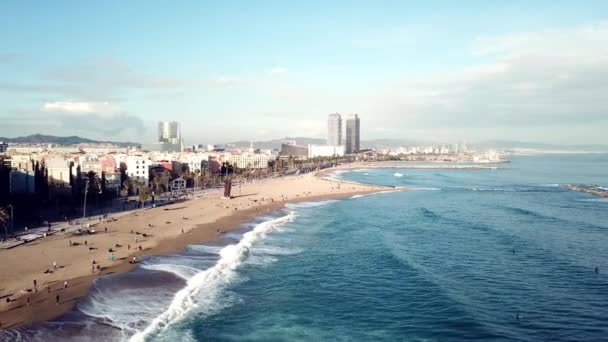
69,258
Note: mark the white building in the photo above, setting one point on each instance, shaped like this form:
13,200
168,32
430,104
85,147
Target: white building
58,170
196,161
249,160
334,130
138,167
325,151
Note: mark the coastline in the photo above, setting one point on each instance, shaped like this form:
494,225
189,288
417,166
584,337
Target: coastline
28,307
417,165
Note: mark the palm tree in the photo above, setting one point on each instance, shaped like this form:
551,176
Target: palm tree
143,193
4,220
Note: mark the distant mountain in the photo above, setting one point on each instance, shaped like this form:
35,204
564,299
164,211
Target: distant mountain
65,141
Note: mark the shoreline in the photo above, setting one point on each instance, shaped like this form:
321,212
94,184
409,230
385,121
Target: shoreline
32,307
418,165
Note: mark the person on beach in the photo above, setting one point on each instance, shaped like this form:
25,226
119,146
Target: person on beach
65,284
57,300
48,289
35,285
54,265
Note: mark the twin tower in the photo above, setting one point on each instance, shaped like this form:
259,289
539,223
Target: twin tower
334,132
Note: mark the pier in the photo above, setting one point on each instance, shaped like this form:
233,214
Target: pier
590,189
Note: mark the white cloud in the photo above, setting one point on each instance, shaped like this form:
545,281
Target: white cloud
70,107
530,80
278,70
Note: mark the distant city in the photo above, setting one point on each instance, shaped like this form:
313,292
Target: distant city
120,162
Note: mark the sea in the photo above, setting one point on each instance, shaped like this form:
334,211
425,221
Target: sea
465,255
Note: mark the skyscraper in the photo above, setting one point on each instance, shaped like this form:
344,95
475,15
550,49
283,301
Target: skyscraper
334,130
170,136
352,134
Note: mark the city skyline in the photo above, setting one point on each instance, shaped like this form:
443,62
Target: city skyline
520,71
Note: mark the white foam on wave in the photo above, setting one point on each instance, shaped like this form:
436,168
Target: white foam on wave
398,175
124,309
204,287
205,249
600,200
427,189
309,204
357,196
492,189
184,272
335,175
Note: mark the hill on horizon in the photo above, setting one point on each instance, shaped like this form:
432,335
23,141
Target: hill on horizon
65,141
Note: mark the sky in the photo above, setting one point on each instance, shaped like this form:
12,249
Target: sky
440,71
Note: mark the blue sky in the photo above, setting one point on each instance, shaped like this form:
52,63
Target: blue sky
438,70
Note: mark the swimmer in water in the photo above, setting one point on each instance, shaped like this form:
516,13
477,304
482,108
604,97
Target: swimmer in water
597,270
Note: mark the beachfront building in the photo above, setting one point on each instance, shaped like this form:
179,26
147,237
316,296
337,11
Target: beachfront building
138,168
352,134
315,151
3,147
293,150
334,130
178,184
58,171
249,160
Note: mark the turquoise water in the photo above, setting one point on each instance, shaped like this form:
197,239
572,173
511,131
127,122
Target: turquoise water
432,265
492,255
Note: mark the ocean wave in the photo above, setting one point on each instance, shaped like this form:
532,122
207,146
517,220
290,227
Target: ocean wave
429,213
203,289
398,175
491,189
335,175
309,204
427,189
184,272
596,200
209,249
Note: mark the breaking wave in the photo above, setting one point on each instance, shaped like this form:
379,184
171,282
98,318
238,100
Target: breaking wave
203,288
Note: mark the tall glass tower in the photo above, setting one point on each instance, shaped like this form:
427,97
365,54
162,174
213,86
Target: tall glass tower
334,130
352,134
